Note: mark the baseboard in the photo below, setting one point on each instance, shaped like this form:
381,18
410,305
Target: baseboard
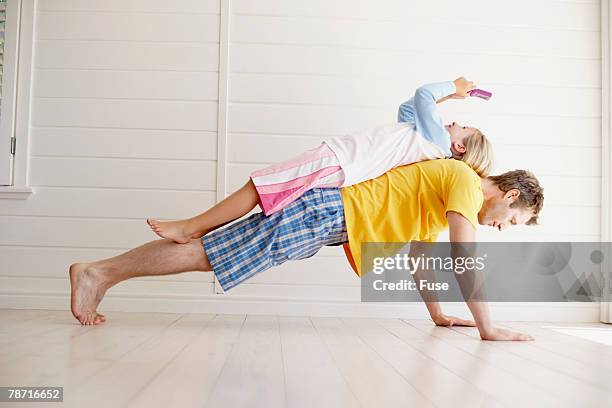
226,304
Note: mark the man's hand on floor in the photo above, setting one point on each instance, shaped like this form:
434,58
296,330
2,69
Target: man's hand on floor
443,320
497,333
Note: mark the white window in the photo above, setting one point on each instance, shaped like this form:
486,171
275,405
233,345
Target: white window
16,55
9,19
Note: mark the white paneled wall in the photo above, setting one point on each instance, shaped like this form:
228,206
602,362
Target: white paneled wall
124,126
300,72
125,119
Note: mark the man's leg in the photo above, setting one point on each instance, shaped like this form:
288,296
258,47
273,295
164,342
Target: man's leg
90,281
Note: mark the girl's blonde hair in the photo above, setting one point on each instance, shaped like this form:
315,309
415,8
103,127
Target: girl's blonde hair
479,153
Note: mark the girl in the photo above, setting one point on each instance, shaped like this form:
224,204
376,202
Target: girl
347,160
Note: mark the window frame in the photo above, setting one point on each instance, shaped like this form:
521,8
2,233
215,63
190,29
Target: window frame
17,83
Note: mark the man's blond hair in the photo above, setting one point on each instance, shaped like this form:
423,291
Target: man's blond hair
479,153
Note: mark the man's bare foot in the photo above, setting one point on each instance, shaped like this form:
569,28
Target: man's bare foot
87,291
178,231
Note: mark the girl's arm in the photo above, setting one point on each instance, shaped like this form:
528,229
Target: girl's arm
406,111
446,98
427,120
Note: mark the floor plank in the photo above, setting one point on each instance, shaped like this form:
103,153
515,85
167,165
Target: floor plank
14,330
509,389
589,374
253,374
121,380
188,380
434,381
68,339
160,360
374,382
587,352
571,391
312,378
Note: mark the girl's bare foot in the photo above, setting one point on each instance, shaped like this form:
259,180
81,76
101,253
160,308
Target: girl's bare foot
178,231
87,290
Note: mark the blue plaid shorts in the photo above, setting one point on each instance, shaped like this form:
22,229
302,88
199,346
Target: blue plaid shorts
259,242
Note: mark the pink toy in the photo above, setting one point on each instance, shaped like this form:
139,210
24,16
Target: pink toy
481,93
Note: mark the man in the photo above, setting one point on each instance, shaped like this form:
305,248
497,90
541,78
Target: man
408,203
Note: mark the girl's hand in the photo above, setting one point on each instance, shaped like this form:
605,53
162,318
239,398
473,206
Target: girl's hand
463,87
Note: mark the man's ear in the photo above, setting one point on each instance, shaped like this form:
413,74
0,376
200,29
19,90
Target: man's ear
459,147
512,194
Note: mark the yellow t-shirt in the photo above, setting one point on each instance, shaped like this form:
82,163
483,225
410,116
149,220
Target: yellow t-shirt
409,203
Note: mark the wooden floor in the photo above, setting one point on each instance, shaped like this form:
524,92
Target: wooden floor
172,360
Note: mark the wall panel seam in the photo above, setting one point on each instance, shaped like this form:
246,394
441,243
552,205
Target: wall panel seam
222,112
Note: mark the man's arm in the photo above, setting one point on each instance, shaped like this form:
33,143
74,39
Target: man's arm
429,297
462,236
